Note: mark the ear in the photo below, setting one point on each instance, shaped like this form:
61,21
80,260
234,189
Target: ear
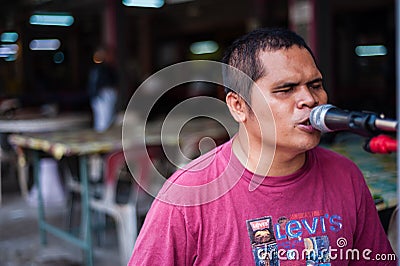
237,106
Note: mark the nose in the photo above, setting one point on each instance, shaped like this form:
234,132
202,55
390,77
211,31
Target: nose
307,97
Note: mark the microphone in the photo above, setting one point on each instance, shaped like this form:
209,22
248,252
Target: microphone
329,118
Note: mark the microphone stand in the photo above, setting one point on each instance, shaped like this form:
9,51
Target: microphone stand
368,124
382,144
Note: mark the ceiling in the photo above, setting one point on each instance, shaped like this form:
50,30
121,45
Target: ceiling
196,12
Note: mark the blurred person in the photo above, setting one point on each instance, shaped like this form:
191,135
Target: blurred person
307,193
102,89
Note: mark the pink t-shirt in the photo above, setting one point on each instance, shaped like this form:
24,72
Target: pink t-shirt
321,215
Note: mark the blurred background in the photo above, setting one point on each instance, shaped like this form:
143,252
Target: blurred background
353,42
48,58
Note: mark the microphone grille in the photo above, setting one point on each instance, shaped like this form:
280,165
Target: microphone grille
317,117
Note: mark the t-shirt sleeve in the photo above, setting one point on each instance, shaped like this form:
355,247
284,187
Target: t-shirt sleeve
164,239
370,238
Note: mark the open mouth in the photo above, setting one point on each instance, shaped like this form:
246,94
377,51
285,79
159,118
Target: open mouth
306,122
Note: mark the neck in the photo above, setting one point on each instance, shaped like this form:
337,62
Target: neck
263,159
286,165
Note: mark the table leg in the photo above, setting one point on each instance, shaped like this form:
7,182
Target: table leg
85,214
22,171
86,241
36,174
1,154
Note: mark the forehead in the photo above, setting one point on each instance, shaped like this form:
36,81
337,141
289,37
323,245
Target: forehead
294,61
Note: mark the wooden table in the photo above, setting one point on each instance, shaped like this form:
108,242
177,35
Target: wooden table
31,120
35,122
58,144
83,143
379,170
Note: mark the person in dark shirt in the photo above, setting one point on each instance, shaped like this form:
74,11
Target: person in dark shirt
102,89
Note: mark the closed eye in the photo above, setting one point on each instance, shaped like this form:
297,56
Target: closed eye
315,84
285,90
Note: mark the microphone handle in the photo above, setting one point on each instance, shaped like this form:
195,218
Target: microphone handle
353,121
337,119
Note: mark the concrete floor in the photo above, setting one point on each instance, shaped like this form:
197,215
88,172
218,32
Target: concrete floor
19,236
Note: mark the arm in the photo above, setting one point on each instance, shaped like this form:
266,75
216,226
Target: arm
370,236
164,238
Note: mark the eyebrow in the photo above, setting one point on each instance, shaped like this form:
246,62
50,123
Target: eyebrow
314,81
294,84
286,85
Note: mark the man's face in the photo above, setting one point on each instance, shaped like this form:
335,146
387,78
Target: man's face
262,236
291,86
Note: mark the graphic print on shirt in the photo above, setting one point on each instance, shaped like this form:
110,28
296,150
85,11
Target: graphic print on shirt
317,250
263,242
300,238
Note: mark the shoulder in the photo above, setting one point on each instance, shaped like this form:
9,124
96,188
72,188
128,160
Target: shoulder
337,169
329,157
203,168
203,180
335,165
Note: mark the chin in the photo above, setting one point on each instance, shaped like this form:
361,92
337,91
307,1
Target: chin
313,144
310,143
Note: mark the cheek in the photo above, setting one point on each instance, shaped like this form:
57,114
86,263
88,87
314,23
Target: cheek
323,97
281,119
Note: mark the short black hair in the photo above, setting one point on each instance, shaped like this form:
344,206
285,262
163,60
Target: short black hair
243,54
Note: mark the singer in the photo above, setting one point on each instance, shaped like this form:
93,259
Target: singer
280,195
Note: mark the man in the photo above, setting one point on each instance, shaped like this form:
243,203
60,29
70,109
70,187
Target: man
315,203
102,89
